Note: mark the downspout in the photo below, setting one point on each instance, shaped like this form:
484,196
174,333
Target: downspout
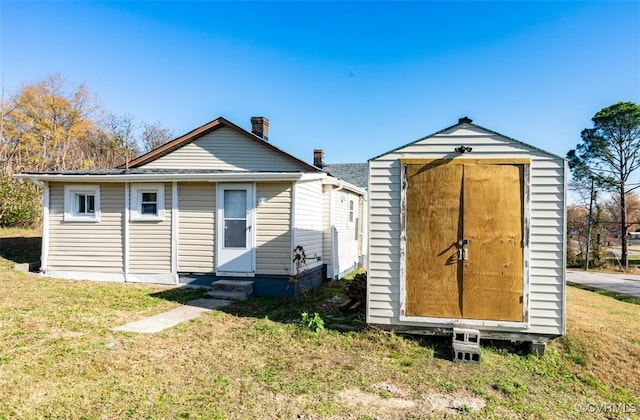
335,259
125,245
292,270
174,231
44,256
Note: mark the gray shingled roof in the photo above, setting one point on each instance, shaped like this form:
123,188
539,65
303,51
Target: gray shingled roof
354,173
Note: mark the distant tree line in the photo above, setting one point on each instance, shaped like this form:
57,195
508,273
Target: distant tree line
50,125
600,229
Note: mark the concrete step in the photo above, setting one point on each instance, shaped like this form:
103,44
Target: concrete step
228,295
233,286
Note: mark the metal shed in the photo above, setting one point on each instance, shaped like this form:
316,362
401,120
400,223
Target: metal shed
467,230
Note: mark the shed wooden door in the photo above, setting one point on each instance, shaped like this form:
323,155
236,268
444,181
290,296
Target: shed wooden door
484,204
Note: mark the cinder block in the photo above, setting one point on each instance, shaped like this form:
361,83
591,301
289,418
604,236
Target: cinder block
24,267
466,336
537,348
466,353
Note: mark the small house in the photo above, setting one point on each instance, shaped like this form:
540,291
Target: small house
219,202
467,230
352,256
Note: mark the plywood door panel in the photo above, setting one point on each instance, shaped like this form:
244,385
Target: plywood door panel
433,281
493,219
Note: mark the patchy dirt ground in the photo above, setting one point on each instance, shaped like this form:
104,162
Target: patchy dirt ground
393,402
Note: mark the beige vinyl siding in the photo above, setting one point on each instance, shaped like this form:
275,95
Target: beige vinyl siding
87,246
197,207
150,242
546,206
308,220
273,228
225,149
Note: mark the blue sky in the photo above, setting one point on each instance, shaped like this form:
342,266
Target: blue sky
354,78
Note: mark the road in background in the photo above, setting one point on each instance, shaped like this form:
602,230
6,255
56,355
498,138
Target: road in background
629,284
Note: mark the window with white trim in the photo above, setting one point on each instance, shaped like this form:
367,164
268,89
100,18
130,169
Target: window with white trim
351,211
147,202
81,203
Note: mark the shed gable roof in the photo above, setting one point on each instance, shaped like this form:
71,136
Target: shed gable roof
466,123
159,157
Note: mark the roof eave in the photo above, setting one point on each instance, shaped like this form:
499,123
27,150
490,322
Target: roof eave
217,177
331,180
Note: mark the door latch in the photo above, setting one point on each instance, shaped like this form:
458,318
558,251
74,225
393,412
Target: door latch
463,253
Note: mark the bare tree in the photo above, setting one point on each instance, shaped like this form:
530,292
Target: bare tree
154,136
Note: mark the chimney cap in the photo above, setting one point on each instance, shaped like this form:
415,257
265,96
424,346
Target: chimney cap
465,120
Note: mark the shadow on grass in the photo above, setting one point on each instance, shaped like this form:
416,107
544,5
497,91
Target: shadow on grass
617,296
182,295
326,300
21,250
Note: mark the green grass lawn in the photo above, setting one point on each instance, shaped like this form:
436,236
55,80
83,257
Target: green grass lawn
59,357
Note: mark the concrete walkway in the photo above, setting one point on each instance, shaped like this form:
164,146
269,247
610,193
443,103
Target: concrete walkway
628,284
160,322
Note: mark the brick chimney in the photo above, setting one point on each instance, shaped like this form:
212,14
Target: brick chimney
318,158
260,127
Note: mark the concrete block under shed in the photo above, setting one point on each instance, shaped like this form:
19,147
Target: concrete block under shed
466,336
30,267
466,353
466,345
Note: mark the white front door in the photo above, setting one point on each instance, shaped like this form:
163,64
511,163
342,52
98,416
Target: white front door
235,240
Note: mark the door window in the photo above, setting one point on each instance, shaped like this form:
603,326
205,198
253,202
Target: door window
235,218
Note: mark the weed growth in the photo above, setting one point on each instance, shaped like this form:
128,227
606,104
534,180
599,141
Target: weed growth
313,322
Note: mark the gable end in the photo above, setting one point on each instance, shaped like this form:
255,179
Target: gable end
466,122
203,130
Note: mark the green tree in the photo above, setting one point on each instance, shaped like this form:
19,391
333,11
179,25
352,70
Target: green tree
609,154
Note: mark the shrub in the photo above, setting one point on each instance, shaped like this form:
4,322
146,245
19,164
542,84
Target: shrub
20,203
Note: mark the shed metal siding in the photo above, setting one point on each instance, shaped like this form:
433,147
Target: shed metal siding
196,227
273,228
546,278
150,242
225,149
87,246
308,220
